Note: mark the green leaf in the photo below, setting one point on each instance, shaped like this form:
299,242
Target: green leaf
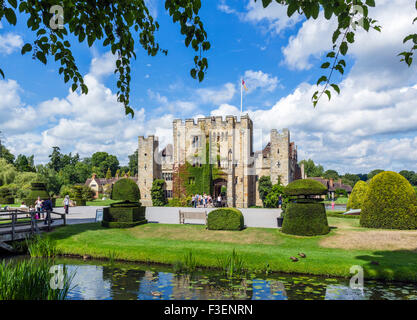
325,65
13,3
26,48
336,88
10,16
370,3
322,79
328,94
129,110
2,73
74,87
266,3
344,48
350,37
41,57
293,7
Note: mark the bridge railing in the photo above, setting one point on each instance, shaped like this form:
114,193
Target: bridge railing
13,221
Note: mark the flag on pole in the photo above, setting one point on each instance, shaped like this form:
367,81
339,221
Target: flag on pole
244,85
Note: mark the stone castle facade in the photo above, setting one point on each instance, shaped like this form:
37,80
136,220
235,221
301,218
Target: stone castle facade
229,144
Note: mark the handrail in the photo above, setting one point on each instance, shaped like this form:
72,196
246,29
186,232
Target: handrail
14,215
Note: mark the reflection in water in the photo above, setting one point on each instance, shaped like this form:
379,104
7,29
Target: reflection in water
98,280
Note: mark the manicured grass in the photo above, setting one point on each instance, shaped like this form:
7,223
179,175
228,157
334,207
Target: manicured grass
339,214
340,200
259,247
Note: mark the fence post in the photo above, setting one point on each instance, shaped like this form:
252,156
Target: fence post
13,223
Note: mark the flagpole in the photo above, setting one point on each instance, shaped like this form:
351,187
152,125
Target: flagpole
241,96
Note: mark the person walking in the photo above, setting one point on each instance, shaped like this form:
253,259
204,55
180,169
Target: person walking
47,206
332,204
38,207
280,201
219,200
66,203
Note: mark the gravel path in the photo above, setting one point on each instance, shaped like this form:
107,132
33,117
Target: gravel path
261,218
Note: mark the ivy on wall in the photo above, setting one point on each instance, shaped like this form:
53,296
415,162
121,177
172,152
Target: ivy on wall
189,179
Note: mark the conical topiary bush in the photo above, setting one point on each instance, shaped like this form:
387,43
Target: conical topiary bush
6,196
37,189
127,213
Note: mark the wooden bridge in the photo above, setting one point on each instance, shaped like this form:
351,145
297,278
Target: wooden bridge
17,224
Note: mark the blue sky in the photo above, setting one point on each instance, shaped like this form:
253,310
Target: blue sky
372,124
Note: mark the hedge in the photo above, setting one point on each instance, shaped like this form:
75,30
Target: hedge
390,203
305,187
126,190
107,224
305,219
225,219
357,196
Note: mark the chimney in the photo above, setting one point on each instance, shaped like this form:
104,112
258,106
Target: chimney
331,183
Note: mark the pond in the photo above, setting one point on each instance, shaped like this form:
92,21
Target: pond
100,280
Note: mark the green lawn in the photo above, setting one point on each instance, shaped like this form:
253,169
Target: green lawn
340,200
259,247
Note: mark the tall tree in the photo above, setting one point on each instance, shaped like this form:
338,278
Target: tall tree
108,174
25,164
331,174
133,163
373,173
410,176
6,154
311,169
103,161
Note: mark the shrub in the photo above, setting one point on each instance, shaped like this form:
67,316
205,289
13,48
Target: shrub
78,195
179,202
6,196
225,219
357,196
305,219
272,199
158,193
390,203
341,192
37,189
128,213
126,190
305,187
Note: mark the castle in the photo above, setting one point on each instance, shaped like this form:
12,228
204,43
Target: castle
228,146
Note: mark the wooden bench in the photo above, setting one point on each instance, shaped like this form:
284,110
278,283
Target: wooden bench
192,215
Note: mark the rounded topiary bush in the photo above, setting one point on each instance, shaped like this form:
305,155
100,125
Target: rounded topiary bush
306,216
357,196
126,190
225,219
305,219
129,212
305,187
390,203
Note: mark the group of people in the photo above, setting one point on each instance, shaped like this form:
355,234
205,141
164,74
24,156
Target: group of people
205,201
43,208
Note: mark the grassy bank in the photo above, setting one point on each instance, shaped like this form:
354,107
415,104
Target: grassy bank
262,249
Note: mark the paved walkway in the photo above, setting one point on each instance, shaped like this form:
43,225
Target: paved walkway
261,218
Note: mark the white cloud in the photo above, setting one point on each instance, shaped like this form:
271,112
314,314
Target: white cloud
10,42
259,79
217,96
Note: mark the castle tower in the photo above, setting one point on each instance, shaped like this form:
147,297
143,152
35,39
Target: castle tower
149,168
280,157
